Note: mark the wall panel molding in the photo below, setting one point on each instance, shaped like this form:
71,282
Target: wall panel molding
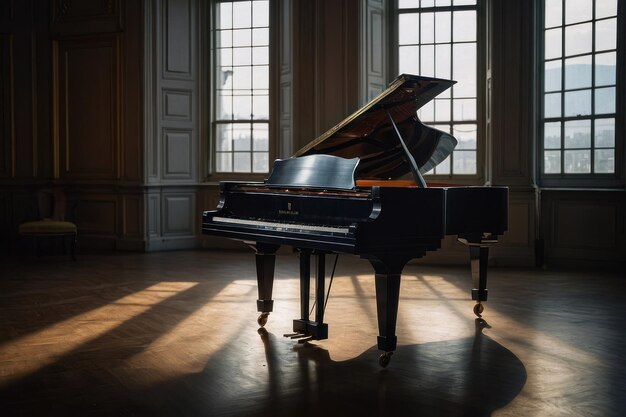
88,105
7,107
177,105
72,17
178,41
177,154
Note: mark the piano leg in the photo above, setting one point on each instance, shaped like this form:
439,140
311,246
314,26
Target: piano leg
265,260
479,259
388,272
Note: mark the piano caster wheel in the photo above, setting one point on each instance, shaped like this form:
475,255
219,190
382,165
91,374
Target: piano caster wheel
384,358
262,319
478,309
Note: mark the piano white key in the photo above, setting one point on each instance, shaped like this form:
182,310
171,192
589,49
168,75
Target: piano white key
283,226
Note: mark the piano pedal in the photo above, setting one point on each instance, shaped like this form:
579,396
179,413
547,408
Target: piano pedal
305,339
290,334
299,336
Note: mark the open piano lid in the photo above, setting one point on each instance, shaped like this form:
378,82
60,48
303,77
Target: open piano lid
369,134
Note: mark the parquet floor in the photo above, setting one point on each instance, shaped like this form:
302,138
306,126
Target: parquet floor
175,334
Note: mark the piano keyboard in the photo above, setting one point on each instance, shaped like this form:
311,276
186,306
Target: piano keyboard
286,227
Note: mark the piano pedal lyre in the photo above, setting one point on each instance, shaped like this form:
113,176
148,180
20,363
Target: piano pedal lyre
262,320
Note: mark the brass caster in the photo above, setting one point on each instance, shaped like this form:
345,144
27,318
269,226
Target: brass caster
262,319
478,309
384,358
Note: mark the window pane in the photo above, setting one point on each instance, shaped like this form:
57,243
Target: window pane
605,100
242,14
465,26
552,75
553,43
466,135
577,103
552,135
577,162
464,69
578,72
577,134
261,78
553,12
242,56
578,10
464,162
604,133
408,29
242,37
260,37
578,39
408,4
442,110
442,2
552,105
605,68
260,13
427,61
261,55
443,27
242,107
260,162
604,161
260,135
224,38
408,57
224,137
464,109
606,8
241,136
223,162
464,2
241,162
606,34
442,61
225,15
427,28
224,105
261,107
242,78
552,162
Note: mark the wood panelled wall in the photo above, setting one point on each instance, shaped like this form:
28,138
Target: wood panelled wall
72,115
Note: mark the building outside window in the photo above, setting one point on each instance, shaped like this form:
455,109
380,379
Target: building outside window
579,117
241,80
439,38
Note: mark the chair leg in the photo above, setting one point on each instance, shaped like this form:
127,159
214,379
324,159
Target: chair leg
73,247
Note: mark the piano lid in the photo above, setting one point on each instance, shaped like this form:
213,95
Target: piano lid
369,134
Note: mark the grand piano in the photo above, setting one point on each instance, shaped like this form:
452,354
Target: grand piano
359,189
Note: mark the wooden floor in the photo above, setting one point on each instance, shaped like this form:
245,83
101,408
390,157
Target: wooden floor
175,334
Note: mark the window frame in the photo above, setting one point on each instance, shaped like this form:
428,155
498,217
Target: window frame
586,180
481,175
210,75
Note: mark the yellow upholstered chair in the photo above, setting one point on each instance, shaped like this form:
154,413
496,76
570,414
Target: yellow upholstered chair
51,205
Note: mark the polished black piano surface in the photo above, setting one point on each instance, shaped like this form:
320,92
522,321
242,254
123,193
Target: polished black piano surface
338,195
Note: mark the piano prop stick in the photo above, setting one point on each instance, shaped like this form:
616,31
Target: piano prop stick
329,198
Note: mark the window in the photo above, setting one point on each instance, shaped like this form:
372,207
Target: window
579,115
241,77
439,38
